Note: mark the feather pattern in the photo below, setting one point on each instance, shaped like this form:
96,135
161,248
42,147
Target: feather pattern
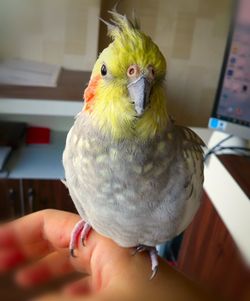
131,192
135,180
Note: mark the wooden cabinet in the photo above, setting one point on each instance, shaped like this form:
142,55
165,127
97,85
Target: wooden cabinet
10,201
209,256
63,199
19,197
42,194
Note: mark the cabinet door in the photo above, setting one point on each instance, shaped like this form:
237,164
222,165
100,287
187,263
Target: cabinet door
63,199
10,199
209,256
37,195
44,194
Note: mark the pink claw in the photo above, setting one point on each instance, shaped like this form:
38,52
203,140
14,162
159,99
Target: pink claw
85,231
82,228
153,257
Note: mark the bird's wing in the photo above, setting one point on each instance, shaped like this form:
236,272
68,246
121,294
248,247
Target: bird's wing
189,146
190,140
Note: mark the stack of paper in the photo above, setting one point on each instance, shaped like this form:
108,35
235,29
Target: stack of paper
28,73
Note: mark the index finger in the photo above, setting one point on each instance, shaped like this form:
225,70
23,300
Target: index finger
49,225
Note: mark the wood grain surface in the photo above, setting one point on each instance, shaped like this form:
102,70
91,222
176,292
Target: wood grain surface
71,85
210,257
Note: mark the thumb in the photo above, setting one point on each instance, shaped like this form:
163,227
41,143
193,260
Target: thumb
102,259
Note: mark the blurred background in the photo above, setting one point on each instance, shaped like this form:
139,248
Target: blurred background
190,33
47,51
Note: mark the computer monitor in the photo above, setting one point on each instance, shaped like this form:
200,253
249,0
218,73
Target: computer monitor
231,111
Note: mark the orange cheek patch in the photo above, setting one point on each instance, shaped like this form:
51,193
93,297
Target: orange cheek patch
90,92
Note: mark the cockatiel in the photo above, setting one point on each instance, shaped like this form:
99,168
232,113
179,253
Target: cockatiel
134,175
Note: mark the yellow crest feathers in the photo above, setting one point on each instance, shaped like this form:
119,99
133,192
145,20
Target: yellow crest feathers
120,24
112,109
130,44
126,32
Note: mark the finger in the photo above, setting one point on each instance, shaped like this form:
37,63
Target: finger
57,297
63,297
13,256
52,266
48,225
79,287
10,259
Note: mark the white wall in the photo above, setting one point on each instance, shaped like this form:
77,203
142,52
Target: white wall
63,32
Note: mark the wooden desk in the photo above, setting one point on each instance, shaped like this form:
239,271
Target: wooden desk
71,85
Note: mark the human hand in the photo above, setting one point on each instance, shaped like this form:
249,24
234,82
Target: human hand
44,237
114,274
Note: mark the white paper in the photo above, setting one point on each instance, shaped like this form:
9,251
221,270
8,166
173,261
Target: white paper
28,73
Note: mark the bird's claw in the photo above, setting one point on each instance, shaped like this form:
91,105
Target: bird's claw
72,254
81,228
153,256
84,233
139,249
154,261
154,272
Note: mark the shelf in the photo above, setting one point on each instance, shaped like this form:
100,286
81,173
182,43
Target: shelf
63,100
39,161
71,85
40,107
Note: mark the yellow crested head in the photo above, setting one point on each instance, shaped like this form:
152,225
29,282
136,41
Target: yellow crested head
125,95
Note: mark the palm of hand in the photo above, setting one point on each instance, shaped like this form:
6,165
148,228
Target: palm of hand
44,237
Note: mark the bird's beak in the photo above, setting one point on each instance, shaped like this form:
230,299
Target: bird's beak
139,91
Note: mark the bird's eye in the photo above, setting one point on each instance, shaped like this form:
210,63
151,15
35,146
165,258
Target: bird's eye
103,70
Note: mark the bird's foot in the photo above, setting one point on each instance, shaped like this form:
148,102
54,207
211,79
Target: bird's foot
82,228
85,232
153,256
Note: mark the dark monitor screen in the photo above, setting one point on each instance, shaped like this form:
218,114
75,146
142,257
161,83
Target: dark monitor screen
232,104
